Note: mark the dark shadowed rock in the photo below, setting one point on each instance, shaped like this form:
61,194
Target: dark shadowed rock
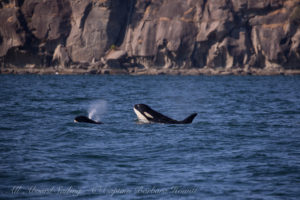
114,59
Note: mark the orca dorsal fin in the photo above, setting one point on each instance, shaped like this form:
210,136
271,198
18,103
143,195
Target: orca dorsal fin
189,119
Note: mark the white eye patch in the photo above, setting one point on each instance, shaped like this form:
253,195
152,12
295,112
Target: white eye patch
148,115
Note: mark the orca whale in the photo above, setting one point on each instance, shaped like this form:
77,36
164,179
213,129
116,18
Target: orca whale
148,115
85,120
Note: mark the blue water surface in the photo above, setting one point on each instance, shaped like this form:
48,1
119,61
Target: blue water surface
244,143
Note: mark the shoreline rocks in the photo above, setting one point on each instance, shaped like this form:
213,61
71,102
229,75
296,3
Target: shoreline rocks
151,71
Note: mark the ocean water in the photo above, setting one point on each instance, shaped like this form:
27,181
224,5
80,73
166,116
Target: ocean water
244,143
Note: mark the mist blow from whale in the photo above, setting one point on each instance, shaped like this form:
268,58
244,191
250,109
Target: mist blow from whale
97,109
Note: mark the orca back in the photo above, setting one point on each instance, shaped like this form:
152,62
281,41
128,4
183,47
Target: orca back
153,116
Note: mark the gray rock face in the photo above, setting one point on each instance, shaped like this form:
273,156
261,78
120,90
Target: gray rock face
48,20
61,56
12,33
96,26
132,35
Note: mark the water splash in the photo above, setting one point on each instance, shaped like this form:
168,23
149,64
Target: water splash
97,109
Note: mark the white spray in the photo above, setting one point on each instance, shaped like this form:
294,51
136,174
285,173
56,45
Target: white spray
97,109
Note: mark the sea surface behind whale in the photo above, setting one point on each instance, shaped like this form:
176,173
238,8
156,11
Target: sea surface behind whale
244,143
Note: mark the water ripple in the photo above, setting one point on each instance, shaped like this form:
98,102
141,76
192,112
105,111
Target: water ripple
244,143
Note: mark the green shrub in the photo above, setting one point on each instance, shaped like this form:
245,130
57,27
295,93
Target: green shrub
113,47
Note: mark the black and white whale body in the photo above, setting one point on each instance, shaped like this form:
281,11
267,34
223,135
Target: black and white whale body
85,119
148,115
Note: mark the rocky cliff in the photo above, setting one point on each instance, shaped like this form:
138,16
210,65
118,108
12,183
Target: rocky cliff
150,36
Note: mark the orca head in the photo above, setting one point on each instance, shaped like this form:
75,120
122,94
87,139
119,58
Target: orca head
81,119
85,119
144,113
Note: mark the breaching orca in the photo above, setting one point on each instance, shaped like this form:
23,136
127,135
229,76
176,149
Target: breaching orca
85,120
147,115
